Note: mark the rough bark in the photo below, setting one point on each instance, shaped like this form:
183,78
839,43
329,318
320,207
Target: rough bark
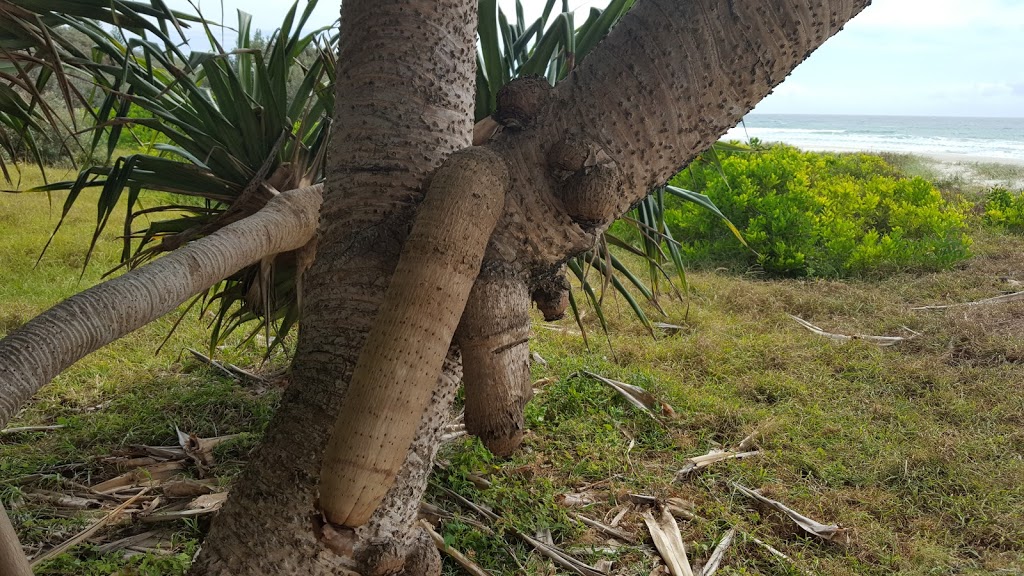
35,353
12,558
670,79
405,98
399,364
494,338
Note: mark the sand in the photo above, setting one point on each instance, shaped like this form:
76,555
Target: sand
977,169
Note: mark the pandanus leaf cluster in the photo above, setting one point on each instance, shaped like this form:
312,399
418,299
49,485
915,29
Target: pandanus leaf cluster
231,128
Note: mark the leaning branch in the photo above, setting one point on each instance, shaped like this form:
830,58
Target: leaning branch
34,354
673,76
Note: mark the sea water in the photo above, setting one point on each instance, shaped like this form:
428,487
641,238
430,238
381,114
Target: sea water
981,138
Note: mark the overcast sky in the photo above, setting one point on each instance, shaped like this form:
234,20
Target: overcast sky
903,57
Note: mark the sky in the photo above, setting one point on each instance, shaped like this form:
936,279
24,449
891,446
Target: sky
898,57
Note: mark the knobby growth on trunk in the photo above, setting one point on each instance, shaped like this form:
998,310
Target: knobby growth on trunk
666,83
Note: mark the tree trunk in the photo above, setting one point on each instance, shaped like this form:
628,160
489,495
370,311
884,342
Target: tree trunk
668,81
405,97
682,73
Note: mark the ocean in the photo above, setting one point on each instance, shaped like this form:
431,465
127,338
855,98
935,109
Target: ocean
970,138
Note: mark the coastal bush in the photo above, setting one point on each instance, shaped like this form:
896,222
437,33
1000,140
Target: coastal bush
817,214
1005,209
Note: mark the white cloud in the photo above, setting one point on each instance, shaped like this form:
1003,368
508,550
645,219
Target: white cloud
941,14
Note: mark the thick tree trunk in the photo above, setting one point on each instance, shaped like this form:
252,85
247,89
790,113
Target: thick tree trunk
411,335
668,81
405,98
671,78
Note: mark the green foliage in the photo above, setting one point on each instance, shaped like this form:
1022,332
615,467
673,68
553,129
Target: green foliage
41,85
1005,209
214,137
818,214
137,134
550,46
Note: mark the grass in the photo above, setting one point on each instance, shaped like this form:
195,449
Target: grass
127,393
918,449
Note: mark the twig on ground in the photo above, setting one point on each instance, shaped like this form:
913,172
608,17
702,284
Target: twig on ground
994,300
229,370
775,552
606,529
84,534
199,506
133,541
697,462
877,340
719,552
467,564
453,432
26,429
61,500
747,443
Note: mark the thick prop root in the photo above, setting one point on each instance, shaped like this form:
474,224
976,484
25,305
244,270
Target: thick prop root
494,339
398,367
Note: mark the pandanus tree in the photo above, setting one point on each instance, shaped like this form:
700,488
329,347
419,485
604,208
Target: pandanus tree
427,250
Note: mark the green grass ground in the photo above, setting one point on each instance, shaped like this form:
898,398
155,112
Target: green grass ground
918,449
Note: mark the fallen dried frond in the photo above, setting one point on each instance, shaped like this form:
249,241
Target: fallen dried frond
669,542
878,340
635,395
830,532
994,300
467,564
719,552
81,536
715,455
554,553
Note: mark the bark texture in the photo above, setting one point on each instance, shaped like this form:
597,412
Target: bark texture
405,98
494,338
12,558
399,364
35,353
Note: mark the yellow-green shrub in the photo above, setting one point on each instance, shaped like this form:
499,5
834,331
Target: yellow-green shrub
1005,209
817,214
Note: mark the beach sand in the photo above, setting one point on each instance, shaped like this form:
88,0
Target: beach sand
981,171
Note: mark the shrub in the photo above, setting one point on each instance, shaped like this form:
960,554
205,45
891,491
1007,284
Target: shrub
138,136
1005,209
818,214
